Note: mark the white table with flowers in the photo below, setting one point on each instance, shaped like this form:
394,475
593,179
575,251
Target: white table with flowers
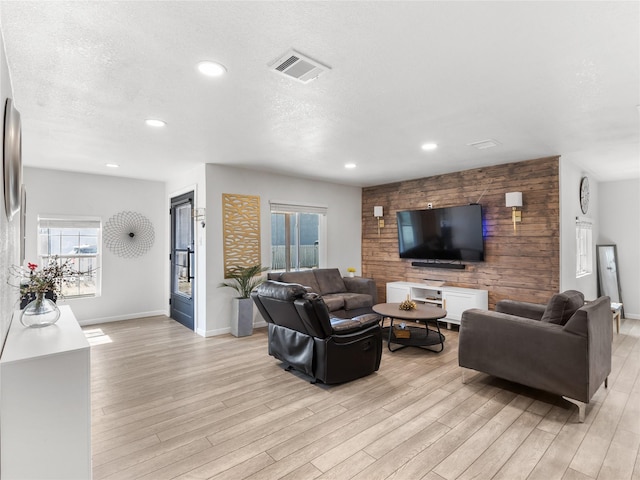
46,401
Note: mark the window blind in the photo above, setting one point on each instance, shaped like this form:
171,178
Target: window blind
287,207
44,222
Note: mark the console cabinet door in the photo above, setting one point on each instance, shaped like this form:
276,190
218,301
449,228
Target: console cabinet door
457,302
397,293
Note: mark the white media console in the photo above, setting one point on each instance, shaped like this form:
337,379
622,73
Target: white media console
454,300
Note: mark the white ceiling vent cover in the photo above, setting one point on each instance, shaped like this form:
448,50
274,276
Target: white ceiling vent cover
295,65
484,144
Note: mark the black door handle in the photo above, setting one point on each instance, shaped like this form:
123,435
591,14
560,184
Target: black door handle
189,276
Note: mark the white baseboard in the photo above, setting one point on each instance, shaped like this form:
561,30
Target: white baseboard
131,316
633,316
224,331
214,333
118,318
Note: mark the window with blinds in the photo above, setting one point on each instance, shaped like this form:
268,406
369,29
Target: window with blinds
77,241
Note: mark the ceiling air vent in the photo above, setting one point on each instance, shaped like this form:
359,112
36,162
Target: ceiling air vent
484,144
295,65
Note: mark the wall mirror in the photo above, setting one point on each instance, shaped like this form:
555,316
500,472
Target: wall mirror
608,278
12,159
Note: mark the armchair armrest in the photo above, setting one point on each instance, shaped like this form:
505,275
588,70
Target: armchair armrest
362,285
521,309
349,325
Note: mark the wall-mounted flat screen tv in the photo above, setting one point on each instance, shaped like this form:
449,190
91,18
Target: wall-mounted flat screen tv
451,233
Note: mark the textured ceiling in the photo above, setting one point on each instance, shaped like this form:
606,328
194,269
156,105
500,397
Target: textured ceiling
541,78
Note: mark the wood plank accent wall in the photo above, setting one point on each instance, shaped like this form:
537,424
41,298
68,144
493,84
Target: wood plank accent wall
522,266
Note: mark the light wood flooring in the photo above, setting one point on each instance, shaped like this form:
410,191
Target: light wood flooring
170,404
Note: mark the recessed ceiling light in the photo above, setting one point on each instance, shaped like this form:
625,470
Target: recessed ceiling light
211,69
349,165
429,146
153,122
112,165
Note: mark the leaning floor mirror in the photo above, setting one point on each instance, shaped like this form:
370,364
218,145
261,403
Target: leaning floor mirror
608,278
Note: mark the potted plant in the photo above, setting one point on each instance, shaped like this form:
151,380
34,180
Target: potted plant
243,280
39,290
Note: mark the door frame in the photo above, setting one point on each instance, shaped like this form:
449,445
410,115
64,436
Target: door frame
197,244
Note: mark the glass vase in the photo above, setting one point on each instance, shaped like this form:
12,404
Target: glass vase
41,312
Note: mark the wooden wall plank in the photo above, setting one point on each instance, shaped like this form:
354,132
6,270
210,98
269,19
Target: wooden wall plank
524,265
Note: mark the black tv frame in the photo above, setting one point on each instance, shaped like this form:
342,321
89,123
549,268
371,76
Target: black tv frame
434,261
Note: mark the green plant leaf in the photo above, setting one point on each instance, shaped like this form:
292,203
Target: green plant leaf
244,279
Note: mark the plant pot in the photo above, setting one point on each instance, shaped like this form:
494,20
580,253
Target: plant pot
242,317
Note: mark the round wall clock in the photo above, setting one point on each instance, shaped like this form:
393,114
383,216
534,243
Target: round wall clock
584,195
12,158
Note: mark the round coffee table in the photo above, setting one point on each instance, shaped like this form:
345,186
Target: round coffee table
413,336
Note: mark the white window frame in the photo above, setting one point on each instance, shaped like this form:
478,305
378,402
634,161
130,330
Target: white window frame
58,221
584,247
280,206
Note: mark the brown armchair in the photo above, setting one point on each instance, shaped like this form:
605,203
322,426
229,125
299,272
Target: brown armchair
563,347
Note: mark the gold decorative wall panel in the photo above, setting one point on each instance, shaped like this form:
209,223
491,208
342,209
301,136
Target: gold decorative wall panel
241,231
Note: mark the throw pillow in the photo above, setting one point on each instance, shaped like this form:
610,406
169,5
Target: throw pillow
305,277
562,306
330,280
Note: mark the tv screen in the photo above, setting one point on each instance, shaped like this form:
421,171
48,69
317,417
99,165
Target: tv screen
452,233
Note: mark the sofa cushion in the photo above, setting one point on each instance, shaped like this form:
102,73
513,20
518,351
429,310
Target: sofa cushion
305,277
281,291
330,281
562,306
334,301
353,301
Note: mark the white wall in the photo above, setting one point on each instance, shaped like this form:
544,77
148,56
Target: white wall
343,225
131,287
9,230
619,213
570,175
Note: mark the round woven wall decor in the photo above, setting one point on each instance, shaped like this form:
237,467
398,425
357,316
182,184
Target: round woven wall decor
128,234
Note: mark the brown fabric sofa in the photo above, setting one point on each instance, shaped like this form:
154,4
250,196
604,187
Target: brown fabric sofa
304,336
563,347
345,297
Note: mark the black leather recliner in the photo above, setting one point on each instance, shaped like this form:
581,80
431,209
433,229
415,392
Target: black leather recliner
306,338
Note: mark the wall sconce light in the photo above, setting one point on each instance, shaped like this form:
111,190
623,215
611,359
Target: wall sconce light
199,214
514,200
377,212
